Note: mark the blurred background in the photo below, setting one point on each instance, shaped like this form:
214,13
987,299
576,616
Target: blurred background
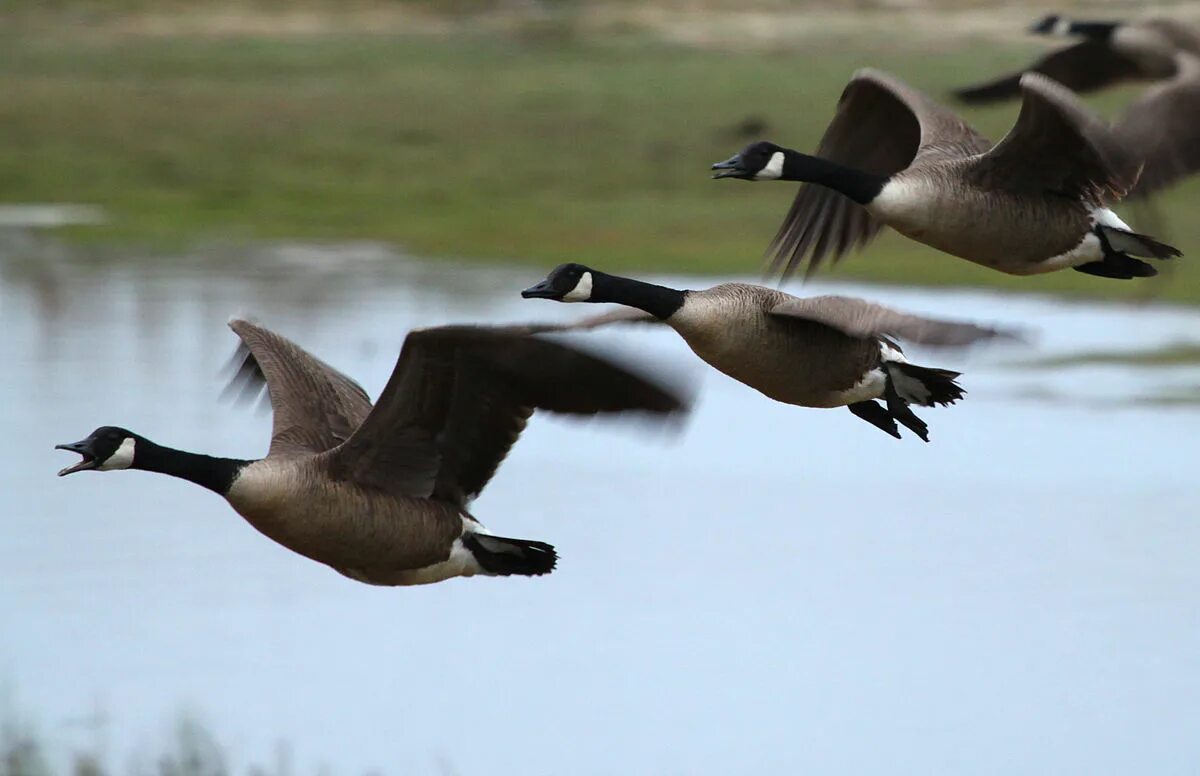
771,590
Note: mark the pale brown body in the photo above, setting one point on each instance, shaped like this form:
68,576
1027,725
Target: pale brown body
373,536
1023,206
987,227
792,360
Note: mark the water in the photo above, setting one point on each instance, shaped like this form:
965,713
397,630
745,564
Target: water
774,590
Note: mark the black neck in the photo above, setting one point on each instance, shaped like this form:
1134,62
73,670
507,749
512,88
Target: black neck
216,474
862,187
659,301
1093,30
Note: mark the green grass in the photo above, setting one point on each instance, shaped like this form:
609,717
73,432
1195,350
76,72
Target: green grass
467,146
1181,354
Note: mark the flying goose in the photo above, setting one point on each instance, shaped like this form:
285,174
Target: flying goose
824,351
1034,202
1162,127
1108,53
380,493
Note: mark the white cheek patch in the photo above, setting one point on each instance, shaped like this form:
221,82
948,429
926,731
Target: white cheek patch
774,169
582,290
1062,27
122,458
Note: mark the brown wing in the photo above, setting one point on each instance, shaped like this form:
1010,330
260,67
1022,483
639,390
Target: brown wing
1057,145
859,318
460,396
1083,67
1164,126
881,126
1183,37
316,407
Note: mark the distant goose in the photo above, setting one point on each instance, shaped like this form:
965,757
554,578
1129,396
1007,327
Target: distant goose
1108,53
1162,127
1035,202
825,351
380,493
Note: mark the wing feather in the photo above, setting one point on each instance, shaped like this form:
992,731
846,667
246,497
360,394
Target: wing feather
315,406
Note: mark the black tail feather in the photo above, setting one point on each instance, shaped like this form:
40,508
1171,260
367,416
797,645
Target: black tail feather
502,556
1119,247
1134,244
923,385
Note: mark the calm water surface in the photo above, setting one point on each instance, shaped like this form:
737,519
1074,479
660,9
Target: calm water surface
774,590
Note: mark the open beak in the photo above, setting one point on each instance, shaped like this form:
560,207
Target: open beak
543,290
84,449
730,168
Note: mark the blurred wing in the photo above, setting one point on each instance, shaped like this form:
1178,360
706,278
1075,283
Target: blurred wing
460,397
859,318
881,126
1164,126
1057,145
316,407
619,315
1083,67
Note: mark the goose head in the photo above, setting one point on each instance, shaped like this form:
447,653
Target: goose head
761,161
105,449
565,283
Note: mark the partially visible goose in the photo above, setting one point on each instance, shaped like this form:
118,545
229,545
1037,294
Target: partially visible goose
826,351
380,493
1161,127
1035,202
1108,53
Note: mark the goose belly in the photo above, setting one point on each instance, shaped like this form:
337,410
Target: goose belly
815,367
373,537
1016,235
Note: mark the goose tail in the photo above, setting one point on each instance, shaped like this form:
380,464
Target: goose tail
503,557
1134,244
923,385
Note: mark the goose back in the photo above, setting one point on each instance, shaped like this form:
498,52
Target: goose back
792,360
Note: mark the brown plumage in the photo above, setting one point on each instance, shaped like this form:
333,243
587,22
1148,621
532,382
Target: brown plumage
1034,202
1107,54
825,351
380,492
1162,126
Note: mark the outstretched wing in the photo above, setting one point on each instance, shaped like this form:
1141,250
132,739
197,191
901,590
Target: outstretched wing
1164,125
859,318
1083,67
881,126
1057,145
459,398
619,315
315,406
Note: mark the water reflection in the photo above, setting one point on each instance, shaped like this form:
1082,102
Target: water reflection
766,595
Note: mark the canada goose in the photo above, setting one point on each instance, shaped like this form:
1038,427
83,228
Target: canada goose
1032,203
380,493
1161,127
825,351
1108,53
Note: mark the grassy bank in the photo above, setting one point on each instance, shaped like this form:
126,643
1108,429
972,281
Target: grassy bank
530,146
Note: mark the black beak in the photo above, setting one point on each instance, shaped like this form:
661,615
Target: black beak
84,448
543,290
730,168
